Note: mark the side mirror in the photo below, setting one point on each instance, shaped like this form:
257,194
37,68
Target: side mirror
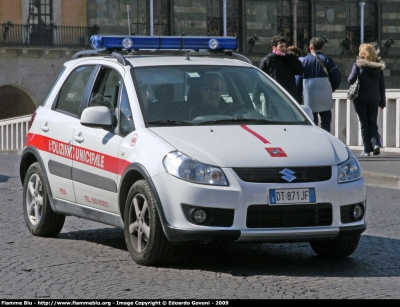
97,117
308,111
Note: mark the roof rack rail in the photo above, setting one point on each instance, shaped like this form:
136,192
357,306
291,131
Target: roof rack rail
89,53
137,52
237,56
120,58
242,57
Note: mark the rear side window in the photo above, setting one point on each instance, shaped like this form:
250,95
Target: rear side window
71,94
54,84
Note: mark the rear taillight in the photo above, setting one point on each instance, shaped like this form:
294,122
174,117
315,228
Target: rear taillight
31,121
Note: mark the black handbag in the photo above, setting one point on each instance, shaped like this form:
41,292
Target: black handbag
352,93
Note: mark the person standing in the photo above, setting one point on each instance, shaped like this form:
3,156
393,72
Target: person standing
295,50
299,94
368,68
282,65
320,79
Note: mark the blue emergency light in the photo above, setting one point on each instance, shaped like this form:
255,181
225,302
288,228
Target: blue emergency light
215,43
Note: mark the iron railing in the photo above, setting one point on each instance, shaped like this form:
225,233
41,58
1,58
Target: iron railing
13,132
345,124
30,35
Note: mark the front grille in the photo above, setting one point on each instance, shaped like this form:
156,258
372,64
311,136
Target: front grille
273,175
266,216
222,217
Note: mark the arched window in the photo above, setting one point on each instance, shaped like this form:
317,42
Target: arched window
353,22
285,23
161,16
215,17
139,17
40,12
140,14
40,22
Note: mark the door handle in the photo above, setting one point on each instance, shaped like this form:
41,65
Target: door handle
78,138
45,128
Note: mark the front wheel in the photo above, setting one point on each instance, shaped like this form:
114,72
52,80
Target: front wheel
144,236
342,247
40,219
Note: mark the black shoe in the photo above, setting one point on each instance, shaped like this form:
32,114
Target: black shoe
377,151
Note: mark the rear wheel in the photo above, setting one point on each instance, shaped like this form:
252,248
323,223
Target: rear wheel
40,219
144,236
342,247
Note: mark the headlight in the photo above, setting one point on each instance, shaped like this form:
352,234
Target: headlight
183,167
350,169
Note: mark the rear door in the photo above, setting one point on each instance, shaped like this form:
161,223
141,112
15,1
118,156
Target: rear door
56,132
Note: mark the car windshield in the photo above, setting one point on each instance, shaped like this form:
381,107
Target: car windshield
212,95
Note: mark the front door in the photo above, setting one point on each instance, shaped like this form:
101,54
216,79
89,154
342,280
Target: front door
95,165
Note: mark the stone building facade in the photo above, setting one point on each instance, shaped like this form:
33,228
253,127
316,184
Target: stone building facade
27,71
338,21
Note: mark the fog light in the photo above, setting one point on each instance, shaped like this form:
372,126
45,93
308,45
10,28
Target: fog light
358,212
199,215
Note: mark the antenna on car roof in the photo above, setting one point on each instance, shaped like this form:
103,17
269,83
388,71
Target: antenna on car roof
183,43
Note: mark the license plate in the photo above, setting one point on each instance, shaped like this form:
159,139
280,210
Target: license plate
290,196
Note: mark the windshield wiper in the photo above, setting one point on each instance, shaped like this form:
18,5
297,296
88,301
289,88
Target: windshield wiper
169,122
237,120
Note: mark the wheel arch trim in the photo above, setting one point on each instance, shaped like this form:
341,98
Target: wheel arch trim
26,156
140,169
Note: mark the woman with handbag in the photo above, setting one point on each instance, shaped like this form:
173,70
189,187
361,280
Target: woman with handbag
368,68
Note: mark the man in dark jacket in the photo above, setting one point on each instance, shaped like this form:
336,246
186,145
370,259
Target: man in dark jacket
282,65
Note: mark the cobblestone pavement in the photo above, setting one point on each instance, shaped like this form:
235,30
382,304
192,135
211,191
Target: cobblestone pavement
88,260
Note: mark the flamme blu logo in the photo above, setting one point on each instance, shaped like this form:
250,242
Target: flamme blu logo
288,175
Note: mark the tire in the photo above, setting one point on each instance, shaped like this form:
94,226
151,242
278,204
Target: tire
40,219
144,236
336,248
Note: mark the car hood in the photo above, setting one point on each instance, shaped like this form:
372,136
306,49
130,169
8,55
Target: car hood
256,145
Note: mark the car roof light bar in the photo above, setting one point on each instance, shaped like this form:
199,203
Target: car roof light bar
119,42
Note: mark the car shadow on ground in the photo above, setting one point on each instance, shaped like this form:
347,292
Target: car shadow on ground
112,237
4,178
280,259
290,259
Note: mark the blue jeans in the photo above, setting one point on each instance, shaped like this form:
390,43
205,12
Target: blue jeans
367,111
326,119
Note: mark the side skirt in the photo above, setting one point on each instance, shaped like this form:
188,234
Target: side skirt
88,213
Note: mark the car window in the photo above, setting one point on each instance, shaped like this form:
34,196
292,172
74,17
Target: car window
54,84
71,94
184,95
125,114
106,88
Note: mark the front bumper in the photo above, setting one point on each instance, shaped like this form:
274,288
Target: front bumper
265,235
173,194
